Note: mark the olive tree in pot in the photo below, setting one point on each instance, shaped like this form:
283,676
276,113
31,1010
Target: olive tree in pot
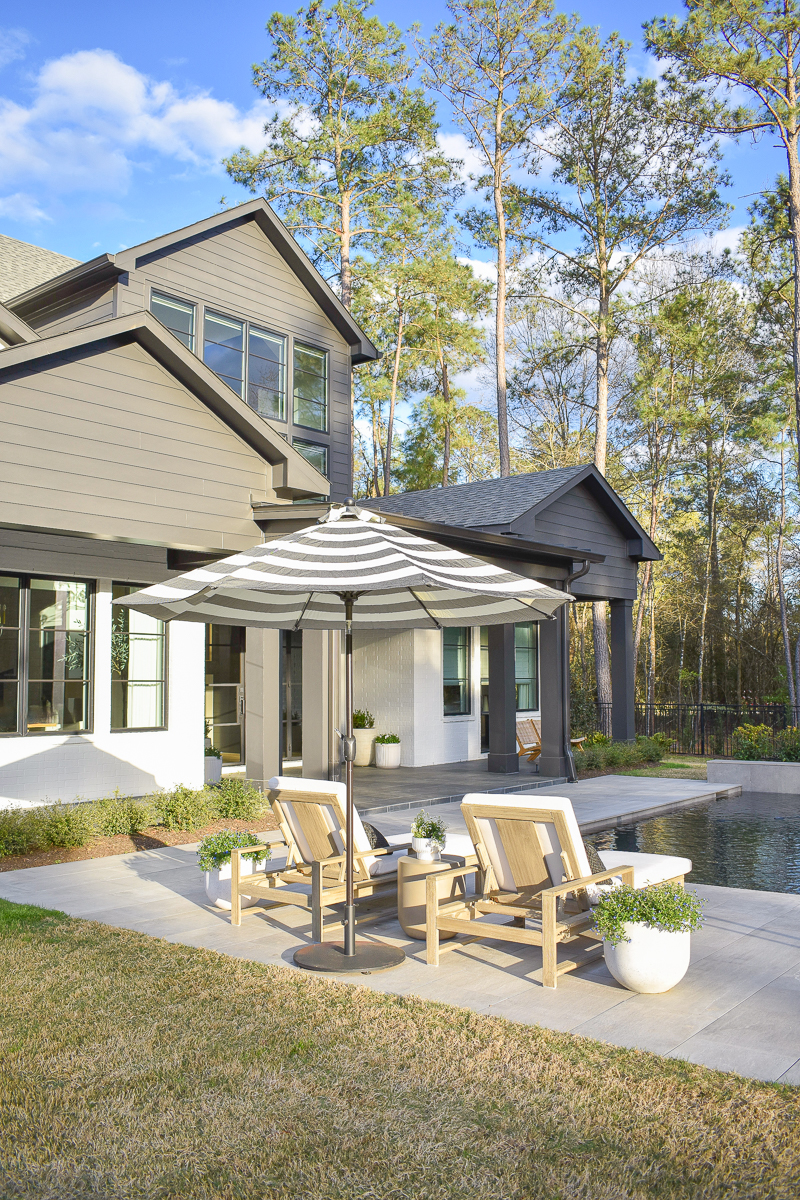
387,750
213,765
646,934
364,733
214,858
427,837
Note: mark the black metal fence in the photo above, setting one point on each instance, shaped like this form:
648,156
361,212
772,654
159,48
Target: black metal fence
703,729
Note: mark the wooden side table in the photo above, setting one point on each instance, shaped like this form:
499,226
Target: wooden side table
411,877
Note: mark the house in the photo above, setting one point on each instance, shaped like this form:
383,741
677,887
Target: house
148,400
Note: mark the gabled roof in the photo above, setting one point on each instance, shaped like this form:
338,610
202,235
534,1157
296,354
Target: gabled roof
23,266
298,475
496,504
111,266
13,329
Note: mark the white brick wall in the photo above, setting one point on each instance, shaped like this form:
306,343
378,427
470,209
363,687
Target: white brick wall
53,767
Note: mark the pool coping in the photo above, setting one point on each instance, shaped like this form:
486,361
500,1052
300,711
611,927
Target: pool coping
657,810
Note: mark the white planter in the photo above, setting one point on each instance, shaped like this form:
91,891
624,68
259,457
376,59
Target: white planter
388,754
426,850
218,884
213,770
652,961
364,742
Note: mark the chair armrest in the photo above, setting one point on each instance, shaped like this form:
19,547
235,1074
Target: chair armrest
240,850
574,885
454,872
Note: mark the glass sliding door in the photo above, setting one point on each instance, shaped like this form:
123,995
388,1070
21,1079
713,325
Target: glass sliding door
9,652
225,700
291,695
58,657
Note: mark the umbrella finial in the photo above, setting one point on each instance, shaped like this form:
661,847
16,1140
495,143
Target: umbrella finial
349,509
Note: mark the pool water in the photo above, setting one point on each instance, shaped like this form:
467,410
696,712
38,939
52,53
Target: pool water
752,841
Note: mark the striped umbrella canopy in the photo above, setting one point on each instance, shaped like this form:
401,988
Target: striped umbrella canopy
394,578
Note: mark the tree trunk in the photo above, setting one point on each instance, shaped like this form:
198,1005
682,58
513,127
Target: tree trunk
602,664
637,633
446,398
387,462
500,324
794,226
345,273
787,646
601,436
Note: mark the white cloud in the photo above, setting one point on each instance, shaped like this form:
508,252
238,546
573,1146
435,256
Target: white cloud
21,207
455,145
94,119
12,45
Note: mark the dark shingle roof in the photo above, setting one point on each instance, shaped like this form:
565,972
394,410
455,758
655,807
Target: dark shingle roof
484,502
23,266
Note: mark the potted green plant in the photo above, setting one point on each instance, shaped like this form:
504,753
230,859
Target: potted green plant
214,859
387,750
427,837
364,733
646,934
213,765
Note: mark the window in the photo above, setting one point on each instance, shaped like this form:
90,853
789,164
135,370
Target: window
310,387
177,315
315,454
455,644
9,652
225,704
56,656
266,374
223,349
526,666
137,667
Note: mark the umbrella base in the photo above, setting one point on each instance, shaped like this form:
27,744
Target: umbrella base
330,956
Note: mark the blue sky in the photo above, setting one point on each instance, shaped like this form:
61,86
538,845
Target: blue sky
113,118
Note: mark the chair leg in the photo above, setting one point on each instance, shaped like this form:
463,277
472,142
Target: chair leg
236,899
317,923
549,944
431,928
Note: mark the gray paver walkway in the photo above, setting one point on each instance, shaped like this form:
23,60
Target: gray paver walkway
737,1009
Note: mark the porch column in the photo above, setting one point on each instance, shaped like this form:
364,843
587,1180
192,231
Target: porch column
554,683
316,704
262,673
503,757
623,725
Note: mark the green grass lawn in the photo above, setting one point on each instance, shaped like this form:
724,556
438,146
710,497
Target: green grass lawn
131,1067
674,766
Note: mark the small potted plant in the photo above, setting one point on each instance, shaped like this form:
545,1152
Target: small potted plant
364,733
213,765
387,750
427,837
646,934
214,859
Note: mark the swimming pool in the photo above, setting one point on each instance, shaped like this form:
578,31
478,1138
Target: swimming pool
752,841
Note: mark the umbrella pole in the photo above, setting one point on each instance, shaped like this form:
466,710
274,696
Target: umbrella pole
349,755
351,955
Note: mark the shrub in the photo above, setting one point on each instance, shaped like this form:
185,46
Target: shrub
661,739
387,739
212,752
666,907
363,719
18,831
121,814
760,742
426,826
597,739
215,849
651,749
601,755
237,799
64,824
182,808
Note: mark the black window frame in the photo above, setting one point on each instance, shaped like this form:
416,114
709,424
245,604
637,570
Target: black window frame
257,328
158,294
299,345
298,442
135,587
464,684
23,659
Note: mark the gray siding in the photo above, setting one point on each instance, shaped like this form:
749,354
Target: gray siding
576,519
111,444
237,271
26,553
73,312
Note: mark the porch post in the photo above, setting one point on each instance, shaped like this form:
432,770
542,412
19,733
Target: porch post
262,673
553,760
623,724
503,757
316,721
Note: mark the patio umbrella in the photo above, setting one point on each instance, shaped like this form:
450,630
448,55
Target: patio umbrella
351,570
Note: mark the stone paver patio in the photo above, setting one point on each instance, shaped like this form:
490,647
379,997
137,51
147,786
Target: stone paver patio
737,1009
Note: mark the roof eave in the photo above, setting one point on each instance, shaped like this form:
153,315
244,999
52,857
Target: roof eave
77,279
14,330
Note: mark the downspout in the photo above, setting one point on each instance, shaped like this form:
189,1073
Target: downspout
572,774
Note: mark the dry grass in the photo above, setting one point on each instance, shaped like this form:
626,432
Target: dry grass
135,1068
674,766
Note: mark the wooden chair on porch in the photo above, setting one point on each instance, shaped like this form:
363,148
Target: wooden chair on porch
311,817
529,738
533,868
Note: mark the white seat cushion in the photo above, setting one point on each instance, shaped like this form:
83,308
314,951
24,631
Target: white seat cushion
382,864
647,868
455,843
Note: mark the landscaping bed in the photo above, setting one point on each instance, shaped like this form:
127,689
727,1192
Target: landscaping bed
137,1069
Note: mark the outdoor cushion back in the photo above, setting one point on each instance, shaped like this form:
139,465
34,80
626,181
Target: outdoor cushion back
314,810
526,842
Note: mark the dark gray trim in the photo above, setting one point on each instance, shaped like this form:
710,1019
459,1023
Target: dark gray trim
14,330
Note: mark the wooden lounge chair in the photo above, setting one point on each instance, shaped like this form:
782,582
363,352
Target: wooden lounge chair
311,817
529,739
534,869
